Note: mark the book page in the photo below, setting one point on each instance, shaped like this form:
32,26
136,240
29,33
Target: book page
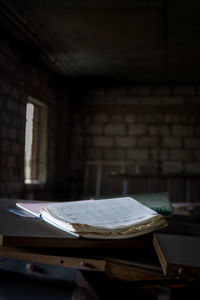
33,208
108,213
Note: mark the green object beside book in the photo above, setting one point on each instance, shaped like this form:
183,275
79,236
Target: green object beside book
157,201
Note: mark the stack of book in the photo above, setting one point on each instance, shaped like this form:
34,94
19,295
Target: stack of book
113,218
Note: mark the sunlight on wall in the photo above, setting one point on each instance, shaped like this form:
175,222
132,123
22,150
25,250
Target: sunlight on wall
28,140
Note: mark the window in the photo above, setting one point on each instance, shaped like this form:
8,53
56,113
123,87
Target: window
35,142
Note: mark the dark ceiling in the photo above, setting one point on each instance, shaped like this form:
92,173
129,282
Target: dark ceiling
122,40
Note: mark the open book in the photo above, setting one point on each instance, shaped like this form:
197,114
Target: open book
114,218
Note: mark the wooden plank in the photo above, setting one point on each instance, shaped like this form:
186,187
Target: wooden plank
179,255
63,261
130,273
54,242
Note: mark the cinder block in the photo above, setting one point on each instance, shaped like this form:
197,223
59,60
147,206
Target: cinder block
22,110
52,164
140,90
172,100
5,145
116,91
140,119
96,92
154,153
77,140
164,130
112,154
2,186
147,142
21,136
77,153
132,168
3,100
100,100
17,94
9,52
100,118
3,131
4,174
161,90
137,129
3,161
8,64
168,118
12,105
150,118
192,100
197,130
14,187
181,119
125,142
16,121
182,130
184,90
149,100
51,154
161,130
153,130
192,119
149,167
11,161
16,148
192,143
12,133
192,168
170,167
171,142
6,89
180,155
198,90
115,129
197,155
6,118
103,141
77,128
127,100
94,153
130,118
95,129
135,154
76,118
116,118
163,154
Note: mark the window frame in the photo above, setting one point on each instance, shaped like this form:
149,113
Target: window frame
39,161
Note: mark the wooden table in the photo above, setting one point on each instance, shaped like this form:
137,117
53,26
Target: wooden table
121,265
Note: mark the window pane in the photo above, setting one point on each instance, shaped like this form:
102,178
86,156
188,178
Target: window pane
29,141
35,142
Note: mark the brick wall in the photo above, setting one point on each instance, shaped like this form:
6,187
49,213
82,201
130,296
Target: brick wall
142,130
134,130
19,79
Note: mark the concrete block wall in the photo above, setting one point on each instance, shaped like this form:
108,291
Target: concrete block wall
19,79
142,130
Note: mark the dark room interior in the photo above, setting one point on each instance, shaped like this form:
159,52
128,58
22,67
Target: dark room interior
98,99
